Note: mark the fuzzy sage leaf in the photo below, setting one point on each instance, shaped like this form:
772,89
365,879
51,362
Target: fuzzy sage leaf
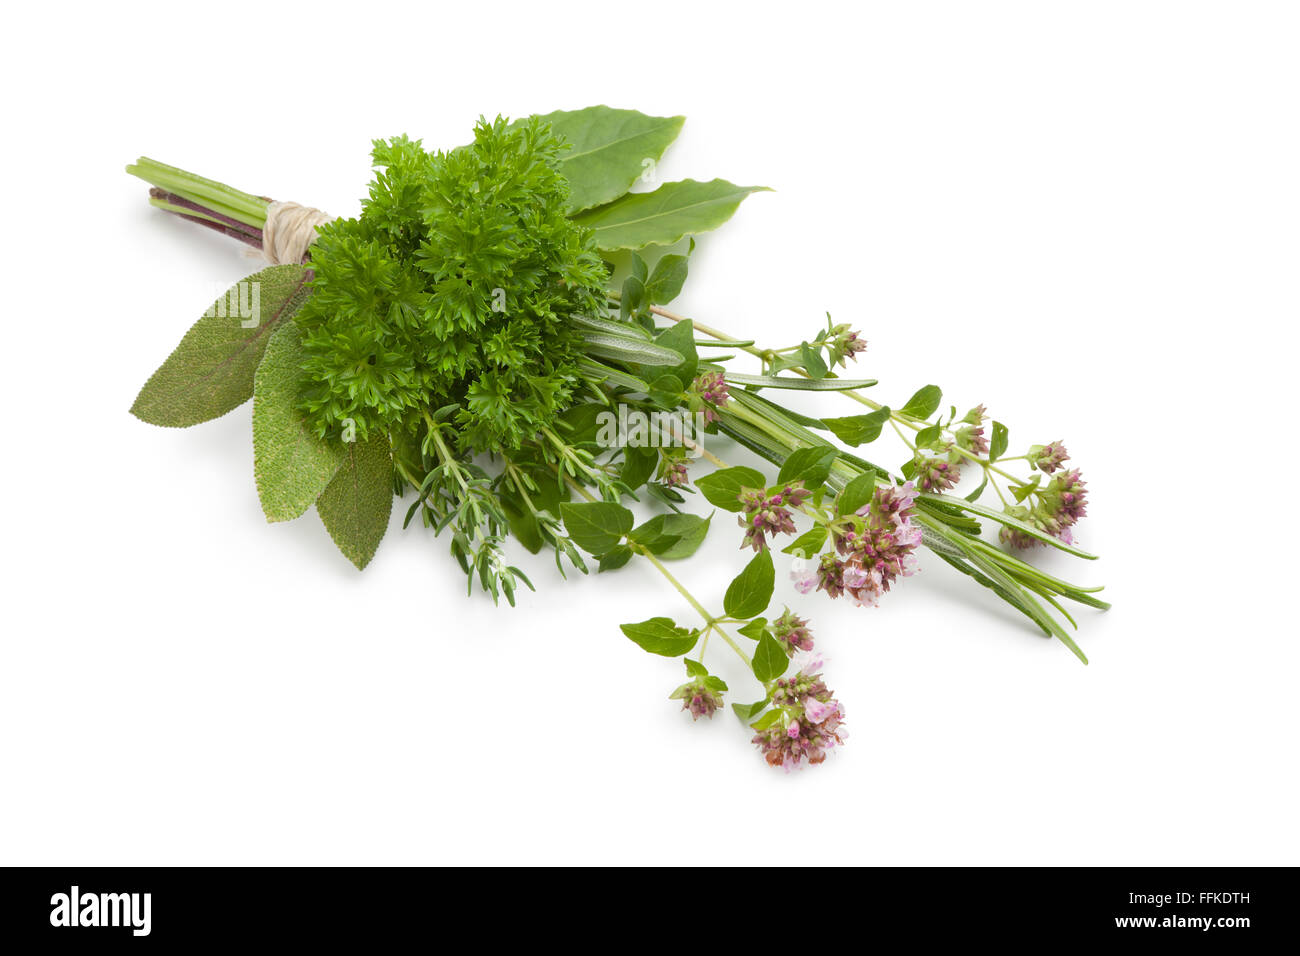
356,504
292,466
211,371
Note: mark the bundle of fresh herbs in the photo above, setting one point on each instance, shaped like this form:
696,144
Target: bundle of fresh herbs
460,343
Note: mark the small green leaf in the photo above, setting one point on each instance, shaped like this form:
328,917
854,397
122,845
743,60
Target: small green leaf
639,268
292,466
998,445
770,659
1023,491
666,392
812,361
767,720
858,429
596,526
695,668
680,338
929,437
722,488
660,635
811,465
212,370
751,591
633,297
755,629
924,403
356,504
691,531
614,558
974,495
807,544
715,684
675,535
662,217
638,465
747,712
667,280
856,493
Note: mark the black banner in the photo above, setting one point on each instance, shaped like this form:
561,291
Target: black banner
145,907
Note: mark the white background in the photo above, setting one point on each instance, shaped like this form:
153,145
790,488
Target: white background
1085,216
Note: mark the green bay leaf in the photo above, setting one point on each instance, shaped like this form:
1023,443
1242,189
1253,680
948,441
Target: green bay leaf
292,466
610,149
211,371
668,214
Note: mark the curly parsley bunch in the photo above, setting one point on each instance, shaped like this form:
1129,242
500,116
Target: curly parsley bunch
454,286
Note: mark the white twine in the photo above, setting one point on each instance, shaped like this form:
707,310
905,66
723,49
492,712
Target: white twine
289,230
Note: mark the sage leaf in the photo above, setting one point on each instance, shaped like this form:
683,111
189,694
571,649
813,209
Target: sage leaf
665,216
858,429
212,370
609,150
356,504
751,591
596,526
291,464
660,635
770,660
722,488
